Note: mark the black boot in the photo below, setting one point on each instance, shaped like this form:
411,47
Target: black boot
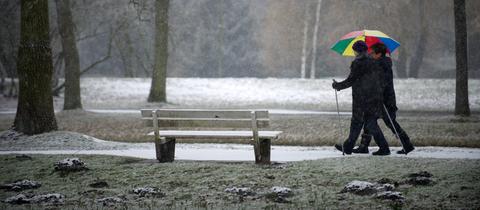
382,152
403,152
407,145
363,148
381,142
347,148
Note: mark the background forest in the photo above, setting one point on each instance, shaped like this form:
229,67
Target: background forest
250,38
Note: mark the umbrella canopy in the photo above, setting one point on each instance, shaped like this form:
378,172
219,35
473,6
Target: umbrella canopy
344,46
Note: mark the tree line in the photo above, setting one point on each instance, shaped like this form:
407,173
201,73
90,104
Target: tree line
35,66
253,38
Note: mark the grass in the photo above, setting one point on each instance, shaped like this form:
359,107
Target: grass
315,184
424,130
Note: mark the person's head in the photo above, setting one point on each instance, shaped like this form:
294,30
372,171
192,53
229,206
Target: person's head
360,47
378,50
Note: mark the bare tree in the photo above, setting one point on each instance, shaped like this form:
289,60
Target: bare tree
314,44
461,93
158,88
107,56
417,58
305,41
221,38
70,54
35,112
10,33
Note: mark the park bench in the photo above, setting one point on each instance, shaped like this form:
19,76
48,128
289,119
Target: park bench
171,124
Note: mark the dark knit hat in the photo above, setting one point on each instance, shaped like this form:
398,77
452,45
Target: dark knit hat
360,46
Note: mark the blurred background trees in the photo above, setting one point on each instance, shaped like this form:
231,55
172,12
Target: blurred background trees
250,38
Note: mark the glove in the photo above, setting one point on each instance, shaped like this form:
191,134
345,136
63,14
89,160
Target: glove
335,86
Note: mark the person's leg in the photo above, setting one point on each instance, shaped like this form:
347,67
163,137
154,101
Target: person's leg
374,129
404,138
364,142
356,125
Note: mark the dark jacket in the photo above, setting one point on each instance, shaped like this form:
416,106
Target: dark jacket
389,92
367,81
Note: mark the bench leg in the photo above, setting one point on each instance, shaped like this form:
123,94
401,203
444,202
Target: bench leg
262,153
165,149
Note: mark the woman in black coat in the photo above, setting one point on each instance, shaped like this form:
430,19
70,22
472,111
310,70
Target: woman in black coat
366,80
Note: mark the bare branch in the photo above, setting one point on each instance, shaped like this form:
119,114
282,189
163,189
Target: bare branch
57,90
95,34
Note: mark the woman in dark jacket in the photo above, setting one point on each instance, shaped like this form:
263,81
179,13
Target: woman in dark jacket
367,81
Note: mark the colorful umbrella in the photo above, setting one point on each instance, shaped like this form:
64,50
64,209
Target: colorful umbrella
344,46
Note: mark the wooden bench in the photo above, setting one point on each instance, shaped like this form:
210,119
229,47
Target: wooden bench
176,120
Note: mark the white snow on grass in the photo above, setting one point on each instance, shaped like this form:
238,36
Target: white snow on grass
271,93
300,94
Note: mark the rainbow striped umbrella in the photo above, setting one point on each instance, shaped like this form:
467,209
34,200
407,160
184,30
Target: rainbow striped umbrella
344,46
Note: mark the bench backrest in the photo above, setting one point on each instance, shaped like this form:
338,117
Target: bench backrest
202,118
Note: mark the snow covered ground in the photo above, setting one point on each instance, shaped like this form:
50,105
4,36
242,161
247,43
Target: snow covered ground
412,94
62,142
238,152
296,94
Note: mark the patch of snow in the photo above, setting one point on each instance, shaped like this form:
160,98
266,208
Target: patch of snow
282,191
61,142
52,198
243,191
17,199
391,195
70,164
147,191
384,187
239,152
110,201
21,185
366,188
359,187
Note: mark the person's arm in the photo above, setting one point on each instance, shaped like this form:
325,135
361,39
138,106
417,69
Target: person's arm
355,73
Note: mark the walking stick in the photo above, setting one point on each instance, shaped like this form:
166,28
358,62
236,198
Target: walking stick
338,114
394,129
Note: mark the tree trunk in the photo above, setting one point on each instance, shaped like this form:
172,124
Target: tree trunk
402,64
72,62
126,53
314,43
417,60
221,39
158,88
305,41
461,97
35,112
3,74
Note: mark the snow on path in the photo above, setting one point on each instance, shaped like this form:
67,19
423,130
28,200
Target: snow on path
238,152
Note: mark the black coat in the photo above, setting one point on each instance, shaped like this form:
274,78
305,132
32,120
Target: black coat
389,92
367,81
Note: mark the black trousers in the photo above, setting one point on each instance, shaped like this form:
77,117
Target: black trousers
404,138
369,122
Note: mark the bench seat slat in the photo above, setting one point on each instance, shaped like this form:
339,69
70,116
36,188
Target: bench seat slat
216,134
212,123
203,113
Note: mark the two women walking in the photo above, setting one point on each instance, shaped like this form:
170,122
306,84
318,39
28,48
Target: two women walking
373,97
